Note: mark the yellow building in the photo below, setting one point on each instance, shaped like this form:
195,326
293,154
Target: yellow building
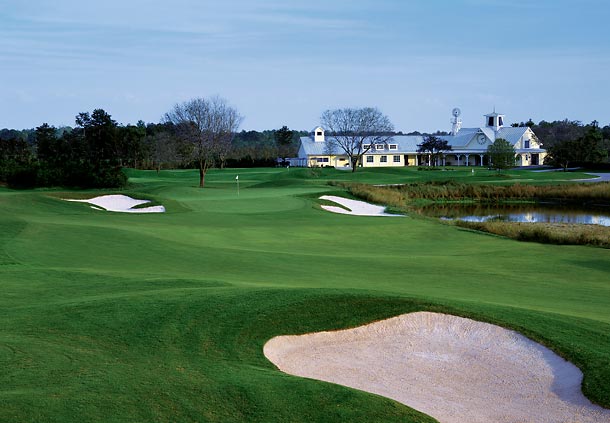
469,147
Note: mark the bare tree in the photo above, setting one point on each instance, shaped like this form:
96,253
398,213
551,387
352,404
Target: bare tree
357,131
330,149
209,126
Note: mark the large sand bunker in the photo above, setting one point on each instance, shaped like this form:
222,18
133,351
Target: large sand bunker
451,368
121,203
358,208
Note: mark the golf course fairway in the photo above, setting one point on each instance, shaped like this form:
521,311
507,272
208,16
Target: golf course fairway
162,317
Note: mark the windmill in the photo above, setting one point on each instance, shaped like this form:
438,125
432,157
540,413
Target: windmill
456,122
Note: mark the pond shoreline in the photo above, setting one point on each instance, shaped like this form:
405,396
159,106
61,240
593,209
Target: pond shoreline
413,197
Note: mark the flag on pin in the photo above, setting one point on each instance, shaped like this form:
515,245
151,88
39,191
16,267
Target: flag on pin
237,177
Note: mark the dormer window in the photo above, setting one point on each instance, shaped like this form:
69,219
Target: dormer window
318,134
366,146
393,147
379,146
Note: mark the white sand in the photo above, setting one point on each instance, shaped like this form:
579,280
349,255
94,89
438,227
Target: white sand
121,203
451,368
358,208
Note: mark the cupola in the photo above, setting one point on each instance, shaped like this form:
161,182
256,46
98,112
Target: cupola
317,134
494,120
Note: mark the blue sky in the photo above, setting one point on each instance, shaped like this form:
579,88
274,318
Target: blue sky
285,62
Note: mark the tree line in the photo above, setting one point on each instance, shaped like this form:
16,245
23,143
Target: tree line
202,133
571,143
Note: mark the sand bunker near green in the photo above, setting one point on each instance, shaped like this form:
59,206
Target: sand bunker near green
454,369
354,207
121,203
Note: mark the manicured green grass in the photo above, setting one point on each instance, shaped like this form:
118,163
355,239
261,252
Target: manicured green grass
162,317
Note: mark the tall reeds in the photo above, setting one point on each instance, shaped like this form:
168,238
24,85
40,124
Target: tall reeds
546,233
450,191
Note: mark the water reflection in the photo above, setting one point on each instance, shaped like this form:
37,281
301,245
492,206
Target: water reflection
532,213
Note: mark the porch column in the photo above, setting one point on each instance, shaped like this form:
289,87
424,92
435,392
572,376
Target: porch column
481,155
467,156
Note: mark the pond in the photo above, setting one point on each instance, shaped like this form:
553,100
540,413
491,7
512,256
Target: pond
531,213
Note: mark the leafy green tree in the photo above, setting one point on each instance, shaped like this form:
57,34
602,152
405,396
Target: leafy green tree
588,148
551,133
163,147
435,147
95,145
17,167
131,145
561,154
53,154
501,154
283,136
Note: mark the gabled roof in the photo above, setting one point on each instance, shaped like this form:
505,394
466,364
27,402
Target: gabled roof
489,133
404,144
461,139
312,148
408,144
511,134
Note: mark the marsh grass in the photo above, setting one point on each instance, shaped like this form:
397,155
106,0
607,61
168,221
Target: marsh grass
547,233
451,191
388,196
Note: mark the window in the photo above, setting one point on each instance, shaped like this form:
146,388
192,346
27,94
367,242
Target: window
393,147
526,144
369,159
396,159
379,146
490,121
383,159
366,146
500,121
322,159
319,133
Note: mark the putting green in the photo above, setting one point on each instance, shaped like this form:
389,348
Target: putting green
162,317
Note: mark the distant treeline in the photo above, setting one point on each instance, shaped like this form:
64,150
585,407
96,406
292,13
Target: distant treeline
570,143
93,152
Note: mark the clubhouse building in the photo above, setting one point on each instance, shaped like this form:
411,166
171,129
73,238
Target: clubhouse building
469,147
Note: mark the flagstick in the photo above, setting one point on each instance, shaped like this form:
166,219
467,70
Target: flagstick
237,179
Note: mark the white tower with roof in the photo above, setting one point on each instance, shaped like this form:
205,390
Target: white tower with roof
494,120
317,134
